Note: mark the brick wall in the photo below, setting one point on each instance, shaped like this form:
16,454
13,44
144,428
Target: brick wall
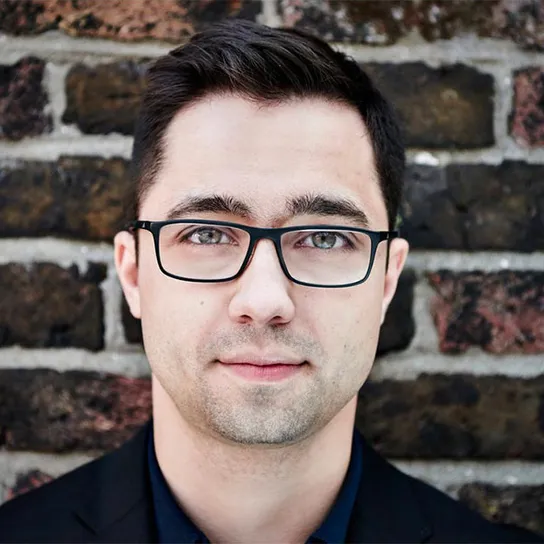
457,394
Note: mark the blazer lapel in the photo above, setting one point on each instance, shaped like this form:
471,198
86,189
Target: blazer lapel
386,508
117,505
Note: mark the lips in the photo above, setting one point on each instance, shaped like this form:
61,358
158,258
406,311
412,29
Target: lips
269,368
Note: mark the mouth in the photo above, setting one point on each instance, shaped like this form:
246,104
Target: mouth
263,369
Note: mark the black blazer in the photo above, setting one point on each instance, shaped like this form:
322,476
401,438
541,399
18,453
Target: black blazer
109,500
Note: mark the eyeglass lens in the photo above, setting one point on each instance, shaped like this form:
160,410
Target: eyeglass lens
212,252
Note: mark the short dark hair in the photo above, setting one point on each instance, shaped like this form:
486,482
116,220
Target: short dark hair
266,65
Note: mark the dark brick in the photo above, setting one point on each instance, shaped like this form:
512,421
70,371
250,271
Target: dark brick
23,100
521,21
501,312
44,410
519,505
26,482
372,22
446,19
447,107
44,305
398,327
75,197
171,20
454,417
104,98
131,325
527,117
475,207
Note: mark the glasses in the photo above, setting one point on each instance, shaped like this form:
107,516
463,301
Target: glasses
219,251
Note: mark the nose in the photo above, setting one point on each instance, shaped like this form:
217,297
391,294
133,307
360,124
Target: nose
262,296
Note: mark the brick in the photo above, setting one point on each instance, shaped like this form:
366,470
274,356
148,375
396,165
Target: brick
372,22
447,107
49,411
75,197
104,98
44,305
131,326
501,312
517,504
398,327
454,417
26,482
446,19
23,100
527,116
170,20
521,21
475,207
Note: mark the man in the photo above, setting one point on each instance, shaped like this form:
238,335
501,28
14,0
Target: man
267,176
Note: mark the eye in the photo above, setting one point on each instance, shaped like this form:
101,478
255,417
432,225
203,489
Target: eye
326,240
207,236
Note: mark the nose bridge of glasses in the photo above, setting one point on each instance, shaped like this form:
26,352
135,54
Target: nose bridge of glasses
264,235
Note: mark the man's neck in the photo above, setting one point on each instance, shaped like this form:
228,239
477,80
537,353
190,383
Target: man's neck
241,494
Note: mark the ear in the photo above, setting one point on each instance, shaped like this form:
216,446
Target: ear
126,264
398,251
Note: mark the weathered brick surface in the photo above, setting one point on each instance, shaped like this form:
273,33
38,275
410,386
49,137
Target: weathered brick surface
527,116
475,207
44,305
23,100
398,328
455,417
396,333
500,312
520,505
171,20
44,410
26,482
104,98
76,197
385,22
447,107
372,22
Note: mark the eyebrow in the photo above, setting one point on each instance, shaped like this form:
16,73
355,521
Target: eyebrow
327,206
309,204
210,204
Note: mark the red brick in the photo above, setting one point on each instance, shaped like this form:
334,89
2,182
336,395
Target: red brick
26,482
48,411
500,312
527,117
457,416
23,100
171,20
44,305
517,504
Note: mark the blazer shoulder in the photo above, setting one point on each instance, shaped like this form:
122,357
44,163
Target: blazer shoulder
452,520
51,501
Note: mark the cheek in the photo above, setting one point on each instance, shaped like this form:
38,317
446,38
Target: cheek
347,322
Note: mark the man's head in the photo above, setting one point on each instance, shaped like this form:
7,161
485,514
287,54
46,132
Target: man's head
264,128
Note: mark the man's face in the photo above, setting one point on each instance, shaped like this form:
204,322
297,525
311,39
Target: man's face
264,157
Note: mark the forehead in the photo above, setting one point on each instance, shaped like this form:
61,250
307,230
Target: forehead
265,154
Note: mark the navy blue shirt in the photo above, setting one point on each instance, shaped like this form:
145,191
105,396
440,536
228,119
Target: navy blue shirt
174,526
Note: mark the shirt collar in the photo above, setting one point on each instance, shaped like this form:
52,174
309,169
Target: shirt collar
173,525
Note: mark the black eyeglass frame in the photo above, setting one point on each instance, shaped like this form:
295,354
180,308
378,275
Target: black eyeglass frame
255,235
